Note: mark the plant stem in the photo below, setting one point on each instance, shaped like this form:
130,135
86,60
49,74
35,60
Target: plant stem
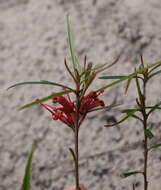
145,154
76,132
145,117
77,159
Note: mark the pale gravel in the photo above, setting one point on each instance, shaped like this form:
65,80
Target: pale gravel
32,47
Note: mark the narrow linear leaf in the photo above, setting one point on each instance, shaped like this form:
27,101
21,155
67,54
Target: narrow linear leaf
102,67
105,107
89,80
151,126
117,123
149,134
153,74
131,173
73,154
129,111
155,146
45,99
153,108
113,83
154,68
75,62
89,69
112,77
27,175
129,114
85,73
139,89
128,84
39,82
142,69
137,117
133,75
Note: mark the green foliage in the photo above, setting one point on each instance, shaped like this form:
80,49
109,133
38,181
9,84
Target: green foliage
151,126
75,62
153,108
154,74
155,146
83,77
106,107
131,173
113,77
45,99
149,131
27,175
39,82
129,113
149,134
133,75
73,155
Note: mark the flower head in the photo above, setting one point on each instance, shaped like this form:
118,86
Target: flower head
90,101
66,111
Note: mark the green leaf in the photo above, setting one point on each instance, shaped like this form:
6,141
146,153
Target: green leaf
142,69
153,108
153,74
138,87
89,69
129,113
131,173
75,62
137,117
155,146
113,83
128,84
106,107
45,99
85,75
151,126
89,80
112,77
73,155
27,175
133,75
39,82
149,134
114,124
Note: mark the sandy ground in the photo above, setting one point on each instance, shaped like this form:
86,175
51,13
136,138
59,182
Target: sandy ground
32,47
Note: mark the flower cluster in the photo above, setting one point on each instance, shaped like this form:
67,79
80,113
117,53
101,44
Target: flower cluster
66,112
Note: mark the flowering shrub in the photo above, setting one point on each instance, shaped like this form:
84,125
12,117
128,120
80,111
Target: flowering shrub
72,111
141,112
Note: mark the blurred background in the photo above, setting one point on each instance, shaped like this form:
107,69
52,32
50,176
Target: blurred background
33,45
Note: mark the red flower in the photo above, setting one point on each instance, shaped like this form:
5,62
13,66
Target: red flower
67,112
90,101
68,105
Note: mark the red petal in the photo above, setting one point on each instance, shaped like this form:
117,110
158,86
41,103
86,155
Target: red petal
68,106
